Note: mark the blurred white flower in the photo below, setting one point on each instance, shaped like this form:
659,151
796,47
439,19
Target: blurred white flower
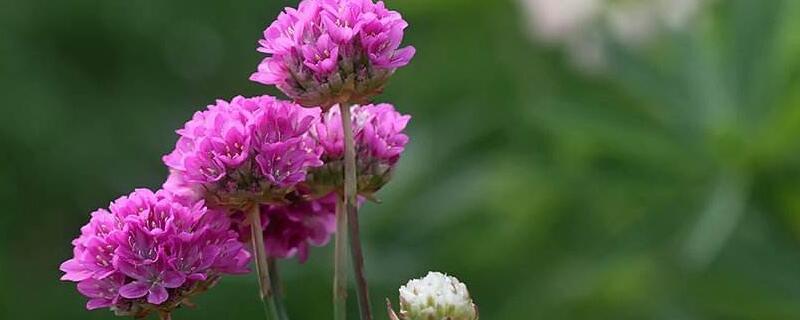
676,14
632,22
636,22
437,296
555,20
584,26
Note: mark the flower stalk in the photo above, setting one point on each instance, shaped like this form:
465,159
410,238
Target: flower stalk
340,263
277,289
358,263
262,265
351,207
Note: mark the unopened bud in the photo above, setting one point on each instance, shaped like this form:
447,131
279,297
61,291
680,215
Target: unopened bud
437,296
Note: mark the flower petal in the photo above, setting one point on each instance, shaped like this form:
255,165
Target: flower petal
158,295
98,303
197,277
134,290
173,279
74,271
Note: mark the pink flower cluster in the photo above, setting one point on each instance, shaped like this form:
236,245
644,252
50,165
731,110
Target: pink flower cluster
378,133
149,252
333,51
248,150
152,251
297,213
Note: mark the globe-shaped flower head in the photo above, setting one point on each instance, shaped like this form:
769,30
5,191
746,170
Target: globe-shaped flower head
244,152
333,51
150,252
437,296
379,142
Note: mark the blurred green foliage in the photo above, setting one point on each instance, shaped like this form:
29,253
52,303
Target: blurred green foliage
664,188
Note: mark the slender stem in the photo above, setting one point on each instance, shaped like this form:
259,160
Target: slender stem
165,316
262,266
277,288
362,289
350,190
340,263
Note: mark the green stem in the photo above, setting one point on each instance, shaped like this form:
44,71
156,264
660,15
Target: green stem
340,263
277,291
362,289
262,266
350,194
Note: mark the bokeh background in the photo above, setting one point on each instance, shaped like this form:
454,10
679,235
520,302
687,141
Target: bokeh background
576,159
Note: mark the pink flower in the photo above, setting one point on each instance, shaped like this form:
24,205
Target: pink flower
151,280
180,189
331,51
153,245
102,293
321,57
92,251
381,137
248,150
284,164
378,133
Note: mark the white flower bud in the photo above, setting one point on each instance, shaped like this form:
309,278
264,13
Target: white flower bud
437,296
